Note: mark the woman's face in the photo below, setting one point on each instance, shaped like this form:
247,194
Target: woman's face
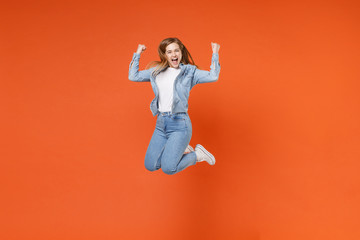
173,55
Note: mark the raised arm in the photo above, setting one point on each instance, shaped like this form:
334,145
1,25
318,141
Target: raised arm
134,73
202,76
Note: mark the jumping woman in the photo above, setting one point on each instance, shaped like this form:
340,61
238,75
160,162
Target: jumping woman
171,79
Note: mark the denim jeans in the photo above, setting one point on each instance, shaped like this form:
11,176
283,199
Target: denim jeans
168,143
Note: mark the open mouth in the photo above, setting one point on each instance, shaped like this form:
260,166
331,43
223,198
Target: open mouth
174,60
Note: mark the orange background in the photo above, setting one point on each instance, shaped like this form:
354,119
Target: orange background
282,121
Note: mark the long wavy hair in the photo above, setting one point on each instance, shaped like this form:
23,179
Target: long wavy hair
163,63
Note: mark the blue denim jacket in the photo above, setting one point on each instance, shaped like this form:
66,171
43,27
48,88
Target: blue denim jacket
188,77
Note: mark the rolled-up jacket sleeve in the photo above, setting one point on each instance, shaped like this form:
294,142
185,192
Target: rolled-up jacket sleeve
202,76
134,73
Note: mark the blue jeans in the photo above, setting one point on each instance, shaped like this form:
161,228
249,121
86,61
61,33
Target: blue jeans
168,143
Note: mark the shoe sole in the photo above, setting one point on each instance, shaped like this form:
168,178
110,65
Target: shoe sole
212,158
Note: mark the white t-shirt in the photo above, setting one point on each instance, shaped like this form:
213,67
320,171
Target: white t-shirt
165,83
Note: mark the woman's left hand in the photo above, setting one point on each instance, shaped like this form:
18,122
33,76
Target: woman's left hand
215,47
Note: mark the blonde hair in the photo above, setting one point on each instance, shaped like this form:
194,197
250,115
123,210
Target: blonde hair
163,63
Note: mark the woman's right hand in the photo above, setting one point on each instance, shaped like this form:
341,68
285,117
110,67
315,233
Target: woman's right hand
141,48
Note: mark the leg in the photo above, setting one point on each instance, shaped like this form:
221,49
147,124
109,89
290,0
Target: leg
156,147
179,131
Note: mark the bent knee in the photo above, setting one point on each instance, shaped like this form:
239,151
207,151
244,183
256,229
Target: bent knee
169,171
150,168
151,163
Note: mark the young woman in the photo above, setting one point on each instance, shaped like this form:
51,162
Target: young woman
171,79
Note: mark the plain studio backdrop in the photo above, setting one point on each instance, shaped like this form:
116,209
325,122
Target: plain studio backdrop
282,120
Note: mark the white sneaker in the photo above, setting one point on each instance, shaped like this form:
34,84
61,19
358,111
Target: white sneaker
188,149
203,155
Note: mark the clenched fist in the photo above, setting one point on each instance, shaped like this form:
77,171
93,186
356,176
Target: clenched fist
215,47
141,48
